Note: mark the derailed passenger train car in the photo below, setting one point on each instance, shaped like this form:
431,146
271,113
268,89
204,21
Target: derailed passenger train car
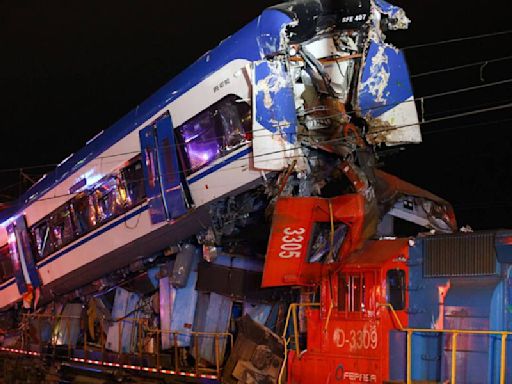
286,92
155,233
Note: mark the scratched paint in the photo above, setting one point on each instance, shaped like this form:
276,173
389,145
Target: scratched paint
275,119
385,96
397,18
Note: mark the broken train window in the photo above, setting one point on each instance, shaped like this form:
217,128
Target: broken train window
214,132
326,242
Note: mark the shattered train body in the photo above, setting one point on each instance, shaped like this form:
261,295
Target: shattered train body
175,243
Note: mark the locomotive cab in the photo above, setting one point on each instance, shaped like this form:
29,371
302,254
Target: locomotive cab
348,335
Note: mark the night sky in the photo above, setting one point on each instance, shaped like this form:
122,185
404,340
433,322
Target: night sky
70,69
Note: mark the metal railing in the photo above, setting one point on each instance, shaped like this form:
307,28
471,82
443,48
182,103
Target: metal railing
455,333
292,313
61,328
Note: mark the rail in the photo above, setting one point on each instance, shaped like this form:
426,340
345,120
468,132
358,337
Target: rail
455,333
61,341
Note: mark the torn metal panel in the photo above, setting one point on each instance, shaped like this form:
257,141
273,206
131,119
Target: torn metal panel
185,260
396,15
214,314
385,97
411,203
129,334
233,282
184,306
67,328
258,312
271,27
274,118
167,297
256,356
119,335
336,64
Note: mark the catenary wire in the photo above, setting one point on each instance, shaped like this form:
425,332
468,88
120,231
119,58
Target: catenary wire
385,129
420,98
457,39
462,66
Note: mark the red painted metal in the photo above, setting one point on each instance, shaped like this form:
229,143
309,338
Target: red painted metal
348,336
291,235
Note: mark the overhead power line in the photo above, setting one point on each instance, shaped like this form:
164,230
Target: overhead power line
468,65
421,98
333,141
457,39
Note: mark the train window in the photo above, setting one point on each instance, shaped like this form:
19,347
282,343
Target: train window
133,178
62,231
353,292
213,133
6,270
41,237
151,167
395,284
84,214
112,196
320,246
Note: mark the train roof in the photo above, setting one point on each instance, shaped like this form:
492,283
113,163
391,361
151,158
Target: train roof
244,44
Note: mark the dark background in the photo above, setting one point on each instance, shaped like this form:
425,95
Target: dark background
69,69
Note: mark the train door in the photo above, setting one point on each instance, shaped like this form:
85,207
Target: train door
24,268
162,175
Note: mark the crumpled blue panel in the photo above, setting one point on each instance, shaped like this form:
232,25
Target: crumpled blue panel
274,99
388,9
385,80
270,24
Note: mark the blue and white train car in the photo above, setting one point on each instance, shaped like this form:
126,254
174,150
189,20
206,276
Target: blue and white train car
246,108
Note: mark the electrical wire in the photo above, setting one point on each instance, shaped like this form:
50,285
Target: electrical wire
454,68
420,98
374,131
466,126
457,39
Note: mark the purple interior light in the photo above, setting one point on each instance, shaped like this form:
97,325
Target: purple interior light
202,143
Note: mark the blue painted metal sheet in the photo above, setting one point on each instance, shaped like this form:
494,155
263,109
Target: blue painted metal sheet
169,172
504,247
129,335
24,244
182,318
151,174
167,294
389,9
274,118
270,26
257,311
468,305
186,262
67,329
385,80
274,99
244,44
385,92
214,313
118,311
15,259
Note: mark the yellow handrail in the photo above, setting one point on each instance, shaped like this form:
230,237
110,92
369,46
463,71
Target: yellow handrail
142,325
455,333
292,309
